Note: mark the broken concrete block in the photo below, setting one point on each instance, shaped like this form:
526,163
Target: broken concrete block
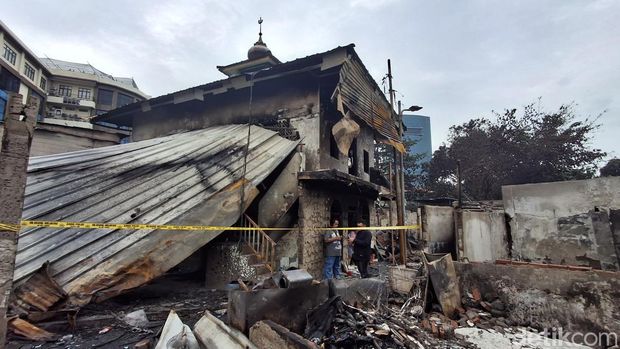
214,334
267,335
137,319
283,305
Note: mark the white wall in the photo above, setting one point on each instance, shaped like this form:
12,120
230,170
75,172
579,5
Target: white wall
483,237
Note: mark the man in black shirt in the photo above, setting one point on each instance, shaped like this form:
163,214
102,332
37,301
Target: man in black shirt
362,250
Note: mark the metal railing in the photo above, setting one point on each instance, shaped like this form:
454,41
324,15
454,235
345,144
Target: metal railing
261,244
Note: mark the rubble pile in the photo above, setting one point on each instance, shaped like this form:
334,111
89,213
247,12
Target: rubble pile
336,324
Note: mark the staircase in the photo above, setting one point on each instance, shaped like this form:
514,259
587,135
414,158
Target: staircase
262,247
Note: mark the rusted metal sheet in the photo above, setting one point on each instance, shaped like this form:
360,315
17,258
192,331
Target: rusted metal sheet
361,95
25,329
445,282
188,178
38,294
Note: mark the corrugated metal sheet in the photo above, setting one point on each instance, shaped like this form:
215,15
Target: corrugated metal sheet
187,178
361,95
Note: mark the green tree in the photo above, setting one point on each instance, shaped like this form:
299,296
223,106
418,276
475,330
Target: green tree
612,168
534,147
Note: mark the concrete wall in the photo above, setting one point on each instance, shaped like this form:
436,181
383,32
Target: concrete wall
584,301
482,236
564,222
438,228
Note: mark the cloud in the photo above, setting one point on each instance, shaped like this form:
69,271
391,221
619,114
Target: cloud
458,59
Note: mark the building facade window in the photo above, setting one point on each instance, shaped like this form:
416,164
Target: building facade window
43,83
8,81
84,93
123,99
9,54
104,97
29,71
64,90
366,162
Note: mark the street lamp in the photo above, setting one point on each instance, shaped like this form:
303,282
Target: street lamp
401,184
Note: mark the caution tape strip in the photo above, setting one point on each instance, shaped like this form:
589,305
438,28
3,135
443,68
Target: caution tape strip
14,228
123,226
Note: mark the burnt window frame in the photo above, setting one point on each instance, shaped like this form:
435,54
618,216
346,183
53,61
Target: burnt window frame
334,152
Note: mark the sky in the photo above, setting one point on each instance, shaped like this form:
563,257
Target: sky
457,59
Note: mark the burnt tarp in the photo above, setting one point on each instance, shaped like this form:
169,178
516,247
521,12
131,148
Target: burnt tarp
191,178
361,95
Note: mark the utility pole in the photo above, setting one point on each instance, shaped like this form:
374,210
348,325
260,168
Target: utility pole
14,152
398,169
458,184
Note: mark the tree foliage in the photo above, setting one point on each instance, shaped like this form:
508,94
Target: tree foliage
534,147
612,168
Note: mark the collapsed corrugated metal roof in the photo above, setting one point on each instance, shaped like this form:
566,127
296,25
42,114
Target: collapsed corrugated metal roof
364,98
188,178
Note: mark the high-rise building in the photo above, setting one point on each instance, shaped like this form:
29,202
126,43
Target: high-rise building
418,129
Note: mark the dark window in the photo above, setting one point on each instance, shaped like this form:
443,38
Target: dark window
29,71
84,93
9,54
64,90
43,83
352,162
122,100
333,146
366,162
104,97
8,81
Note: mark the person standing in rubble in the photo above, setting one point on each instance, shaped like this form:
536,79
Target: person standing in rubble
362,250
333,251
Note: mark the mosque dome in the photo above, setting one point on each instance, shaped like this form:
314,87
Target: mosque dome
260,49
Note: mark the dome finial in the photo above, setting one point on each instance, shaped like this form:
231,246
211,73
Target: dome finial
260,48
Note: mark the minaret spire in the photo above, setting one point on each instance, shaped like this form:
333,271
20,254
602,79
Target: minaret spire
260,30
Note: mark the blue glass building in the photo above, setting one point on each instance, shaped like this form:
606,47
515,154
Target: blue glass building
418,129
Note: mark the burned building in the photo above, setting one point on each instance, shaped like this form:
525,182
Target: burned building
328,102
273,144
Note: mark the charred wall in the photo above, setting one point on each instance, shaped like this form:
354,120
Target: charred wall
583,301
564,222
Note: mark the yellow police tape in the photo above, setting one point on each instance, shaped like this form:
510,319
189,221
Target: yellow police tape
122,226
